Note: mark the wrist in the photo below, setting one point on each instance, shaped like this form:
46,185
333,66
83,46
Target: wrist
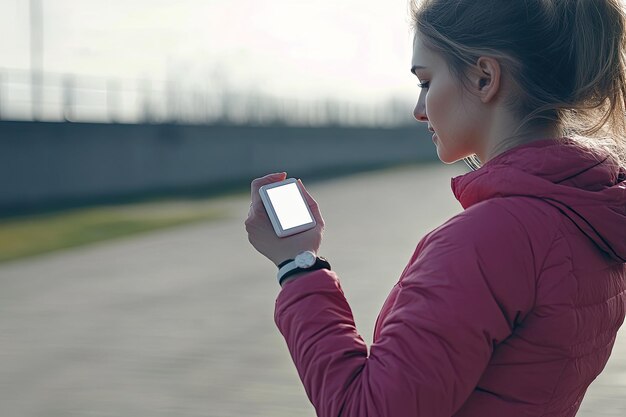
291,258
304,262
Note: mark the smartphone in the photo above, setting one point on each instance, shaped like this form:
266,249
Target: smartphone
286,207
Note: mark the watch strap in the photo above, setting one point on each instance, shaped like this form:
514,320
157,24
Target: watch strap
285,263
288,270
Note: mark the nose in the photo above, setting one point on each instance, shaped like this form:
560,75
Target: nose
420,109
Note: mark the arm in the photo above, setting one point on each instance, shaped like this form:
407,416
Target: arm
457,301
293,277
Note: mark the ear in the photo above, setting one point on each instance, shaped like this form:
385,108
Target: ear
487,78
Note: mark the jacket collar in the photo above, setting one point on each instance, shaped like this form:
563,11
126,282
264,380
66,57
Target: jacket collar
588,186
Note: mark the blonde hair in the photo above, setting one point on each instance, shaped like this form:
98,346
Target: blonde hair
566,58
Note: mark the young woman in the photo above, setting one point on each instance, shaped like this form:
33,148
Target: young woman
510,308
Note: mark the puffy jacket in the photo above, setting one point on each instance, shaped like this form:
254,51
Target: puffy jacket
510,308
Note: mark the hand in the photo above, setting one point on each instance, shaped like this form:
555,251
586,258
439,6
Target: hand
261,233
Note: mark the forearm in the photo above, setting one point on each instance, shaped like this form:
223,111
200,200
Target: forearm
318,326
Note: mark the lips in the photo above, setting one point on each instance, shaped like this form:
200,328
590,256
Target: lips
430,129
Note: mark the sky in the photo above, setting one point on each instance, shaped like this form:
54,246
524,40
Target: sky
352,50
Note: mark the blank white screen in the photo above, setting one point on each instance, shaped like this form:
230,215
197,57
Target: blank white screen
289,206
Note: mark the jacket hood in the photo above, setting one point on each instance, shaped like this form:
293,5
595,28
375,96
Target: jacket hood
588,186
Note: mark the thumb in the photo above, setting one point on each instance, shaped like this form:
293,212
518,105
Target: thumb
312,204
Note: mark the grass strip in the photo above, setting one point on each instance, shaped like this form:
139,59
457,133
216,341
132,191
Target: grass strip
38,234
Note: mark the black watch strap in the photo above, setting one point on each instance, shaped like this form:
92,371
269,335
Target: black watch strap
320,263
284,263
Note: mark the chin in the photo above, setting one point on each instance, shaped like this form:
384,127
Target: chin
447,158
449,155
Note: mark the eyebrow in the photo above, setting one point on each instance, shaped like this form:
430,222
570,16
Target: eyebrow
415,67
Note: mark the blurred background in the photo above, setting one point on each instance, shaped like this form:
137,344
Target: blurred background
244,62
150,98
129,134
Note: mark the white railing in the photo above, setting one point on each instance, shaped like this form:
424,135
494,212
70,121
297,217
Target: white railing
25,95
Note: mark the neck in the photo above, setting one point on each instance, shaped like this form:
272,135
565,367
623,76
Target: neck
502,137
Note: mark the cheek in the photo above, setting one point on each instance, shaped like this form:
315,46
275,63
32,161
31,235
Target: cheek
439,102
448,111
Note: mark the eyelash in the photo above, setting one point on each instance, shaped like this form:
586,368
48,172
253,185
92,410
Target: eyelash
425,84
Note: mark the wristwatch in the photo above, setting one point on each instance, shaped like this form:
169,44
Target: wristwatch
304,262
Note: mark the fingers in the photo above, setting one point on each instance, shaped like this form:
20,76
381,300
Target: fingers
256,206
269,178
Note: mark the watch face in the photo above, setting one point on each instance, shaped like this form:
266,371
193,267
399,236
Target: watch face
305,259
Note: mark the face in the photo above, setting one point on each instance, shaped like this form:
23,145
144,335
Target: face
452,113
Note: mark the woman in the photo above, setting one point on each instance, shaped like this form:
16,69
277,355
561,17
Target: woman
510,308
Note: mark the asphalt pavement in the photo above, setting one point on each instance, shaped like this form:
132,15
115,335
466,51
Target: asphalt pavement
179,322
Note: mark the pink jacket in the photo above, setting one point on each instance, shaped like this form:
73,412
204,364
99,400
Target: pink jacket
509,309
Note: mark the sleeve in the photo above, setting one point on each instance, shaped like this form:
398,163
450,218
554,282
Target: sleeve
472,281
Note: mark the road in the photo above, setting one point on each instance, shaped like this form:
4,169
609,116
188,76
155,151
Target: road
179,322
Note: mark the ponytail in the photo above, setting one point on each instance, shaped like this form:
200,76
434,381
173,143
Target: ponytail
598,51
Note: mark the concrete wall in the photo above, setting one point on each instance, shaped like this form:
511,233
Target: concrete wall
48,165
